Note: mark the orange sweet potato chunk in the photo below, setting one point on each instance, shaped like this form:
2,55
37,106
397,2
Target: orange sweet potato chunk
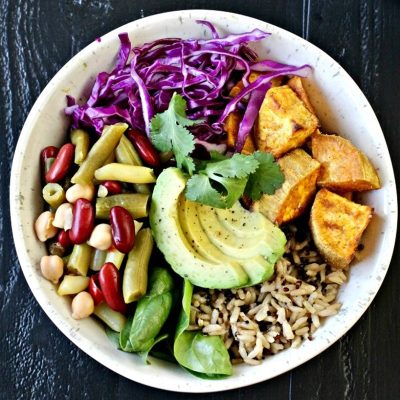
343,167
337,225
232,123
297,191
284,122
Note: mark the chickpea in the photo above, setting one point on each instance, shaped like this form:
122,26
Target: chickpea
43,226
52,268
79,191
82,305
101,237
63,217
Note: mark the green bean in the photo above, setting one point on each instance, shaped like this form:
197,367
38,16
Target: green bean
126,153
114,256
53,194
80,139
135,203
99,153
134,283
98,259
125,173
113,319
110,159
152,310
72,284
79,260
142,188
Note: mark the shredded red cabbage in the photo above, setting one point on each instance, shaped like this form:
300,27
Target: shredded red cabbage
202,71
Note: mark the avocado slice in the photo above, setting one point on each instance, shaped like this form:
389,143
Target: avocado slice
241,222
257,268
184,259
208,246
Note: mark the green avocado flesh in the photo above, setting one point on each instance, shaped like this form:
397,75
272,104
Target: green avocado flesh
213,248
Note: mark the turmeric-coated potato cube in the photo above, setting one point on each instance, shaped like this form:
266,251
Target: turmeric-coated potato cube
336,227
231,127
298,189
252,77
343,166
296,84
284,122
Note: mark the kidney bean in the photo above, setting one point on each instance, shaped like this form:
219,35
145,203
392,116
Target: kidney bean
63,239
61,164
145,148
82,221
122,229
113,187
110,284
46,153
94,289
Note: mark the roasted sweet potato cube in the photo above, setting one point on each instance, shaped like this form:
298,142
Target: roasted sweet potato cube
252,77
284,122
343,166
297,191
232,123
296,84
336,226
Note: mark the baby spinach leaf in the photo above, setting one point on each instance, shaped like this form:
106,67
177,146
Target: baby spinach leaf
152,311
204,356
144,355
113,337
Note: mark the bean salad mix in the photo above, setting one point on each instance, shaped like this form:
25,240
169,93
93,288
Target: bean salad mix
162,210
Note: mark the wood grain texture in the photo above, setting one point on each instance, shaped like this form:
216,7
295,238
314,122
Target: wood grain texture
36,38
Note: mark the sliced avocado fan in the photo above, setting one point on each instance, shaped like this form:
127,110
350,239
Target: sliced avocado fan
213,248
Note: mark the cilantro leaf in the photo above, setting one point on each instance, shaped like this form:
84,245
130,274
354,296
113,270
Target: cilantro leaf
199,189
221,183
169,133
267,178
238,166
217,156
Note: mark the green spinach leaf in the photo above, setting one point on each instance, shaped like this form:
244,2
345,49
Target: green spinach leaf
204,356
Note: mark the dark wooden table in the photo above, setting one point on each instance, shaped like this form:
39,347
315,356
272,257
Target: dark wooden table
36,38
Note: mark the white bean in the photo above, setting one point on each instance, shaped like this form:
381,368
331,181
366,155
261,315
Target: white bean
52,268
101,237
79,191
43,226
82,305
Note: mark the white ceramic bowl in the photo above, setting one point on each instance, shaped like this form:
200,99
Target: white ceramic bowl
341,107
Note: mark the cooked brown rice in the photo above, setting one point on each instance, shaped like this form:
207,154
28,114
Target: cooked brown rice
277,314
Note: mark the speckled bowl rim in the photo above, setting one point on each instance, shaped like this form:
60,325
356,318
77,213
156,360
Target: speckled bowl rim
84,343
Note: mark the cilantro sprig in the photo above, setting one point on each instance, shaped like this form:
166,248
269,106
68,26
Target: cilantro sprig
221,181
169,133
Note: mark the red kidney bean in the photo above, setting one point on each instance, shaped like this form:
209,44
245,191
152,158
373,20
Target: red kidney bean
63,239
94,289
145,148
110,284
82,221
61,164
113,187
46,153
122,229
